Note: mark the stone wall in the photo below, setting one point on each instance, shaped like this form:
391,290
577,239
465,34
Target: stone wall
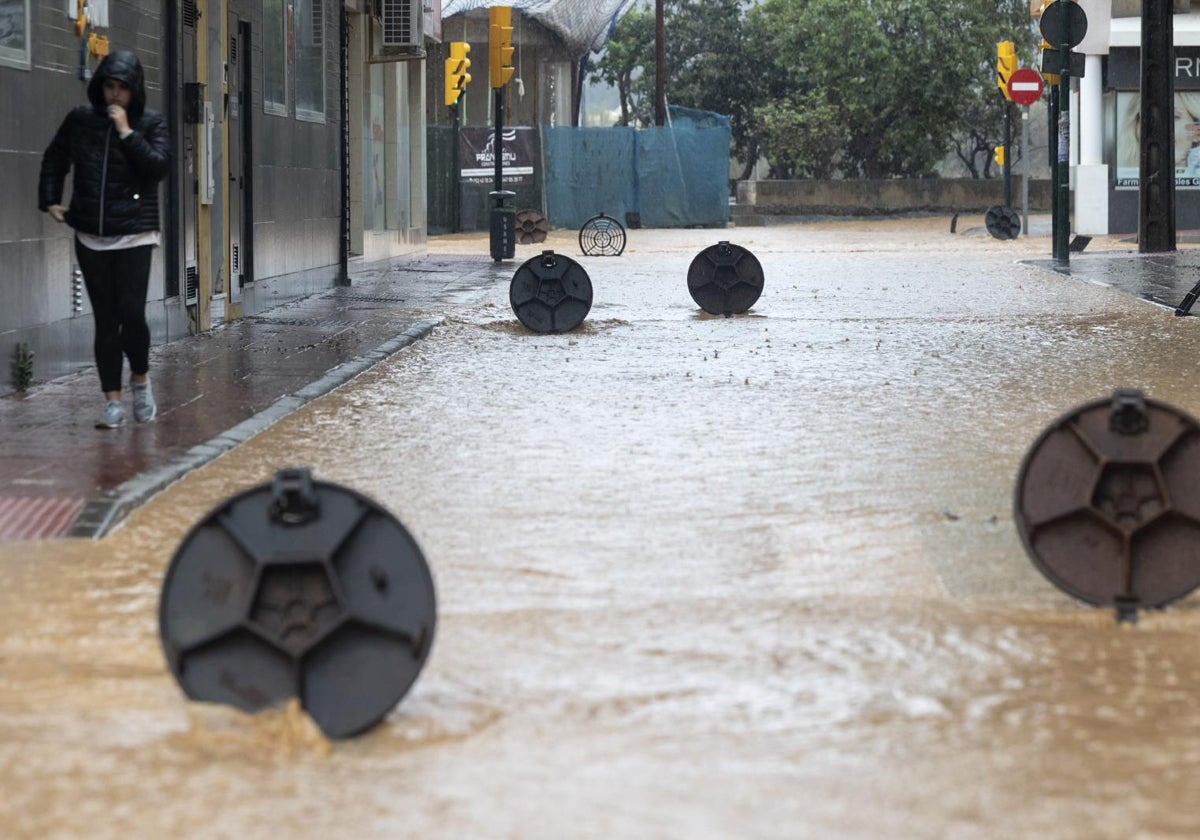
872,198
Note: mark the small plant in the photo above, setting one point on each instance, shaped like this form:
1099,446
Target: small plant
22,366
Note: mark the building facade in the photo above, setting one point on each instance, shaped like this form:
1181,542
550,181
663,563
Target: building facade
1105,103
299,151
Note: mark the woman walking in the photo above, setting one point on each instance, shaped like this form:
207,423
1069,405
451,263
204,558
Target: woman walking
120,150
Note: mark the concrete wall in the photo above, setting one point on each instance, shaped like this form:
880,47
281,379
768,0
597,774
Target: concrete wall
870,198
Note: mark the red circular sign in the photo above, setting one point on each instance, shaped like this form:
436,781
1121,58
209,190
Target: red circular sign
1025,86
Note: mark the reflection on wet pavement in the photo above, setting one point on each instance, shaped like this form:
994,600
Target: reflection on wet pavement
697,577
1163,279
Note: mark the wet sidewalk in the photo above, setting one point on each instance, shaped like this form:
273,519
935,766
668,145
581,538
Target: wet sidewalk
1164,279
60,476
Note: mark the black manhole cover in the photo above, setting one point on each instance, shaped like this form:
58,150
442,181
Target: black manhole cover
551,293
299,588
725,279
1002,222
531,227
1107,502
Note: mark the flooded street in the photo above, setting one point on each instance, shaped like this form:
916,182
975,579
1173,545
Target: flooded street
698,577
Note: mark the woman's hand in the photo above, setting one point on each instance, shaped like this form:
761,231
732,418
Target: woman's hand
119,118
57,212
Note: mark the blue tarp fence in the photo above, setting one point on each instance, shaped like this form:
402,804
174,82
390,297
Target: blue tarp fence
674,176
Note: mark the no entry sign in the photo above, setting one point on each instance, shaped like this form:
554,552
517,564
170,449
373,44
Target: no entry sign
1025,86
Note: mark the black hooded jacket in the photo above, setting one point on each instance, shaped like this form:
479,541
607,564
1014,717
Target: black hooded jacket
115,189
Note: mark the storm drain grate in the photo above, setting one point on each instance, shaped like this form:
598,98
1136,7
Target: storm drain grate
304,322
365,298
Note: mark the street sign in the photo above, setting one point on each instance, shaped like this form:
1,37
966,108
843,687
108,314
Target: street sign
1025,86
1051,23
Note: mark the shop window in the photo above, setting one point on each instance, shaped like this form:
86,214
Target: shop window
14,33
310,60
276,17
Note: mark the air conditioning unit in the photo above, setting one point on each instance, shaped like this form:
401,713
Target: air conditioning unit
401,21
400,24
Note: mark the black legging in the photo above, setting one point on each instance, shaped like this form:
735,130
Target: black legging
117,282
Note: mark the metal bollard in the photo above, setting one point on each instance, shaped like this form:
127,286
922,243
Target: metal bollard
551,293
502,238
1107,504
299,588
725,279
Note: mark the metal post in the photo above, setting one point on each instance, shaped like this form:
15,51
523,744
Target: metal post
498,143
1156,191
1025,171
660,66
1052,124
1008,154
343,275
456,167
1062,174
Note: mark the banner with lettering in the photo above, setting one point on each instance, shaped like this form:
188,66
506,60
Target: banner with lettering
477,155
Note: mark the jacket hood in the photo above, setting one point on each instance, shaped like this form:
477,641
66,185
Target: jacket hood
124,66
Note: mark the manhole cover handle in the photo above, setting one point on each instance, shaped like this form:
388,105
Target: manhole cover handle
293,499
1128,412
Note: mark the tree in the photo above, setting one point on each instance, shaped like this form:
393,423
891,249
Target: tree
706,60
892,78
862,89
630,49
711,66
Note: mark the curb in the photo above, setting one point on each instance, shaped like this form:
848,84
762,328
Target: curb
100,515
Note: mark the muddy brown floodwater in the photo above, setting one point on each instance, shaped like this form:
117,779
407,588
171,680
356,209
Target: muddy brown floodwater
697,577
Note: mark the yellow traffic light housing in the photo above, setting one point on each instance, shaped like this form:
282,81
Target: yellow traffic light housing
998,155
457,76
500,48
1043,48
1006,65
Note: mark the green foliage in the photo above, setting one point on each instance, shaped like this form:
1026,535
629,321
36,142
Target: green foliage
706,60
893,77
628,51
799,138
863,89
22,367
711,66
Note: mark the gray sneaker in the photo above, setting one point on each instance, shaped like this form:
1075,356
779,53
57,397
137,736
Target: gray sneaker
144,407
113,415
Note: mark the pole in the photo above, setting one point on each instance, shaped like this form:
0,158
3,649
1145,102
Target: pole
498,140
343,275
1008,154
1062,184
1052,124
1025,169
1156,164
455,151
660,66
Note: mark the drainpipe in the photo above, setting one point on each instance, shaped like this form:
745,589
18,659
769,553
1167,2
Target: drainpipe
343,274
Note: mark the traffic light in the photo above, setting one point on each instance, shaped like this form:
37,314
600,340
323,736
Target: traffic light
500,48
456,71
1006,65
1046,62
998,155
